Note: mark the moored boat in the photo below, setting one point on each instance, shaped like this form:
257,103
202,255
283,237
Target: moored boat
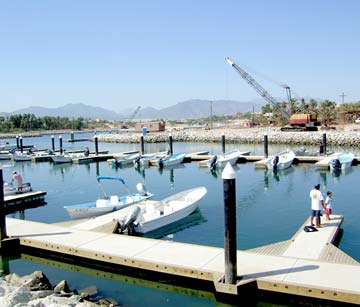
342,161
280,161
127,160
171,160
154,215
105,204
67,157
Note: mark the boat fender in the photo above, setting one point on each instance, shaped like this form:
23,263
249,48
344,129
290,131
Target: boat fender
130,219
213,162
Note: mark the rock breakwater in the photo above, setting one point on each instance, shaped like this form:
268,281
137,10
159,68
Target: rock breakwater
248,136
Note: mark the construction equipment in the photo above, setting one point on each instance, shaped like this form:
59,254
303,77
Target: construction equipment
126,125
297,122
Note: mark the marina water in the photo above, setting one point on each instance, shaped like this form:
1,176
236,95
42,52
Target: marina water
270,209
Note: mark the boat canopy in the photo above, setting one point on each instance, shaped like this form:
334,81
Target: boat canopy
99,178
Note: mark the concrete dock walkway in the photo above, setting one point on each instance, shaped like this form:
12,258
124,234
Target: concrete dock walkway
294,266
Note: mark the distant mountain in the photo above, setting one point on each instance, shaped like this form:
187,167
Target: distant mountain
190,109
71,110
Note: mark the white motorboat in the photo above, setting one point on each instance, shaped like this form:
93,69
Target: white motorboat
10,189
221,160
280,161
67,157
21,156
143,218
105,204
171,160
145,160
127,160
5,155
342,161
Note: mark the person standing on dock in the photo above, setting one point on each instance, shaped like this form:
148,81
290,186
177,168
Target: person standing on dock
18,178
317,203
328,205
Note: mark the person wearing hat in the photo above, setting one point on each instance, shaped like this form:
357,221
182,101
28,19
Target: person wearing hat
317,203
18,178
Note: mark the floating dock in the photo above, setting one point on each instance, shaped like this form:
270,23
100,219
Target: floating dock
22,201
303,265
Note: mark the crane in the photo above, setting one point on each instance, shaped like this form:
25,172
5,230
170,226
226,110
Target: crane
126,126
297,122
257,87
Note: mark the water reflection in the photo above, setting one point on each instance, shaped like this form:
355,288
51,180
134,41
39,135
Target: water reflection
275,175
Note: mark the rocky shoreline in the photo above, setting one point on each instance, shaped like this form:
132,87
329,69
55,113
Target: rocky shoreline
346,136
36,290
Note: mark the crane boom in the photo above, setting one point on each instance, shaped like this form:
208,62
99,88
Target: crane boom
133,115
256,86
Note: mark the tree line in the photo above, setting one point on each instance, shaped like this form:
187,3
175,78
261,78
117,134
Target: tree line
29,122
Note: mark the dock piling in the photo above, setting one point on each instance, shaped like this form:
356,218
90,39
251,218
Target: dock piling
229,186
324,141
72,136
21,144
60,144
266,145
171,144
3,233
53,143
142,144
223,142
17,142
96,144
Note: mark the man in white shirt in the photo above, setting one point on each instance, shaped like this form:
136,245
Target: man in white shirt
317,203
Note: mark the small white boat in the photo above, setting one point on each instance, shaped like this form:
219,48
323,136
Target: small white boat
280,161
5,155
10,189
341,161
127,160
67,157
107,204
171,160
145,160
154,215
221,160
21,156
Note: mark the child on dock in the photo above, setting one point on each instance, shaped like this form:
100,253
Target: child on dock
328,205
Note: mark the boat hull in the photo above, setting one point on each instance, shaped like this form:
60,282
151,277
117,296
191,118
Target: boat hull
103,206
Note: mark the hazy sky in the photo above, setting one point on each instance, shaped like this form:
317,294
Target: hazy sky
121,54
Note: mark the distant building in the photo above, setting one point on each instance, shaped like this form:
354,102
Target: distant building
150,126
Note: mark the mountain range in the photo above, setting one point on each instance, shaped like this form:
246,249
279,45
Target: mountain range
190,109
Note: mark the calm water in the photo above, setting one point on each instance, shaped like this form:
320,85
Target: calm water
269,209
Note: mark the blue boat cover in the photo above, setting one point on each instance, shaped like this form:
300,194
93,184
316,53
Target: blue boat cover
98,178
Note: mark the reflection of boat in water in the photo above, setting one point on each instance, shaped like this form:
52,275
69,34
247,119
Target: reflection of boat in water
276,175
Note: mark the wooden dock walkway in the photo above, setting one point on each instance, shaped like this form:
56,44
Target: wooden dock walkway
303,265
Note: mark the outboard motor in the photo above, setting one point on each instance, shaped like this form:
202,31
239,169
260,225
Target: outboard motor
335,163
161,164
213,162
140,187
128,223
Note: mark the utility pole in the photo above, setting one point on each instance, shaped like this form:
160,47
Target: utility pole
211,111
343,96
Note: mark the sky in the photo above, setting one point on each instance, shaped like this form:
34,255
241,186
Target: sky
120,54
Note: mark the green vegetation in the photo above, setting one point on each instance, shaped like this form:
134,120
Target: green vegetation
29,122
